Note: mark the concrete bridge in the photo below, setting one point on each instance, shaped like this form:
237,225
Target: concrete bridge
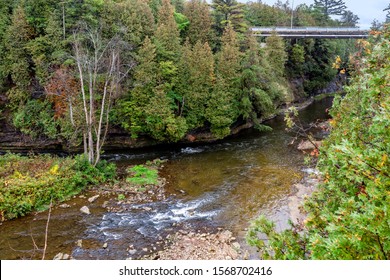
312,32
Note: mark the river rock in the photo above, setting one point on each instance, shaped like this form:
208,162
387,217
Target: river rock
59,256
236,246
64,205
85,210
307,145
65,257
132,252
93,198
105,245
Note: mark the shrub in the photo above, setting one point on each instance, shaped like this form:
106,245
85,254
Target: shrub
30,183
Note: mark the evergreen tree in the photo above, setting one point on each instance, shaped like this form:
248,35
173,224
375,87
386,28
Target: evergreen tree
257,79
18,58
196,82
331,7
167,35
348,18
197,11
276,53
222,108
131,18
5,19
229,12
388,13
132,108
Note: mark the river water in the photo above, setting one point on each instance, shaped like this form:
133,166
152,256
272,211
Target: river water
219,185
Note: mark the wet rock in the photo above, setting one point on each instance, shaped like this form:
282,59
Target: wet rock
93,198
85,210
64,205
307,145
147,208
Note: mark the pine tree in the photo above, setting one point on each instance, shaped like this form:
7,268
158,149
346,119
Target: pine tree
229,12
349,19
388,13
330,7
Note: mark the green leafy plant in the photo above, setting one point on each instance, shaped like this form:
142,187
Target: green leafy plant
31,183
143,175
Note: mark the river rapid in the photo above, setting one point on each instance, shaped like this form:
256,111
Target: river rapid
220,185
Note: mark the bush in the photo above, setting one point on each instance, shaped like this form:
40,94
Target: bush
30,183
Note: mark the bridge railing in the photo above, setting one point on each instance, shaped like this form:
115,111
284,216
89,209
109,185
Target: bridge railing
310,29
311,32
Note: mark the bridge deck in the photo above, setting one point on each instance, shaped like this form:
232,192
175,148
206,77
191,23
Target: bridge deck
311,32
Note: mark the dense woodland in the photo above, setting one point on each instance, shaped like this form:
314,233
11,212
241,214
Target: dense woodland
163,69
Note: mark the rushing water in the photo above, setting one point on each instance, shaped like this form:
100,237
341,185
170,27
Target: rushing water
225,184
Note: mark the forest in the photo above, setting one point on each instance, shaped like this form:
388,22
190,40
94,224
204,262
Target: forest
73,71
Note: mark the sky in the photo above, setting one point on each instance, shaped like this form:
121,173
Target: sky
366,10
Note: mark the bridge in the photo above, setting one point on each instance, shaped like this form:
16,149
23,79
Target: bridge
312,32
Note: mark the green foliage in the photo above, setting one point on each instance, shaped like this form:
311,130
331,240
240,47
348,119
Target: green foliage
330,7
36,118
142,175
348,216
173,87
31,183
197,12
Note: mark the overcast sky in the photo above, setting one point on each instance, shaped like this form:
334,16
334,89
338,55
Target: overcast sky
367,10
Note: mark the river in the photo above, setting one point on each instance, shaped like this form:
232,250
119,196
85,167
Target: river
220,185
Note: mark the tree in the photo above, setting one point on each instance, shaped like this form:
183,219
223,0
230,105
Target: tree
100,72
196,81
276,53
133,19
5,19
256,100
388,13
198,13
167,35
229,12
348,18
18,58
331,7
222,108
